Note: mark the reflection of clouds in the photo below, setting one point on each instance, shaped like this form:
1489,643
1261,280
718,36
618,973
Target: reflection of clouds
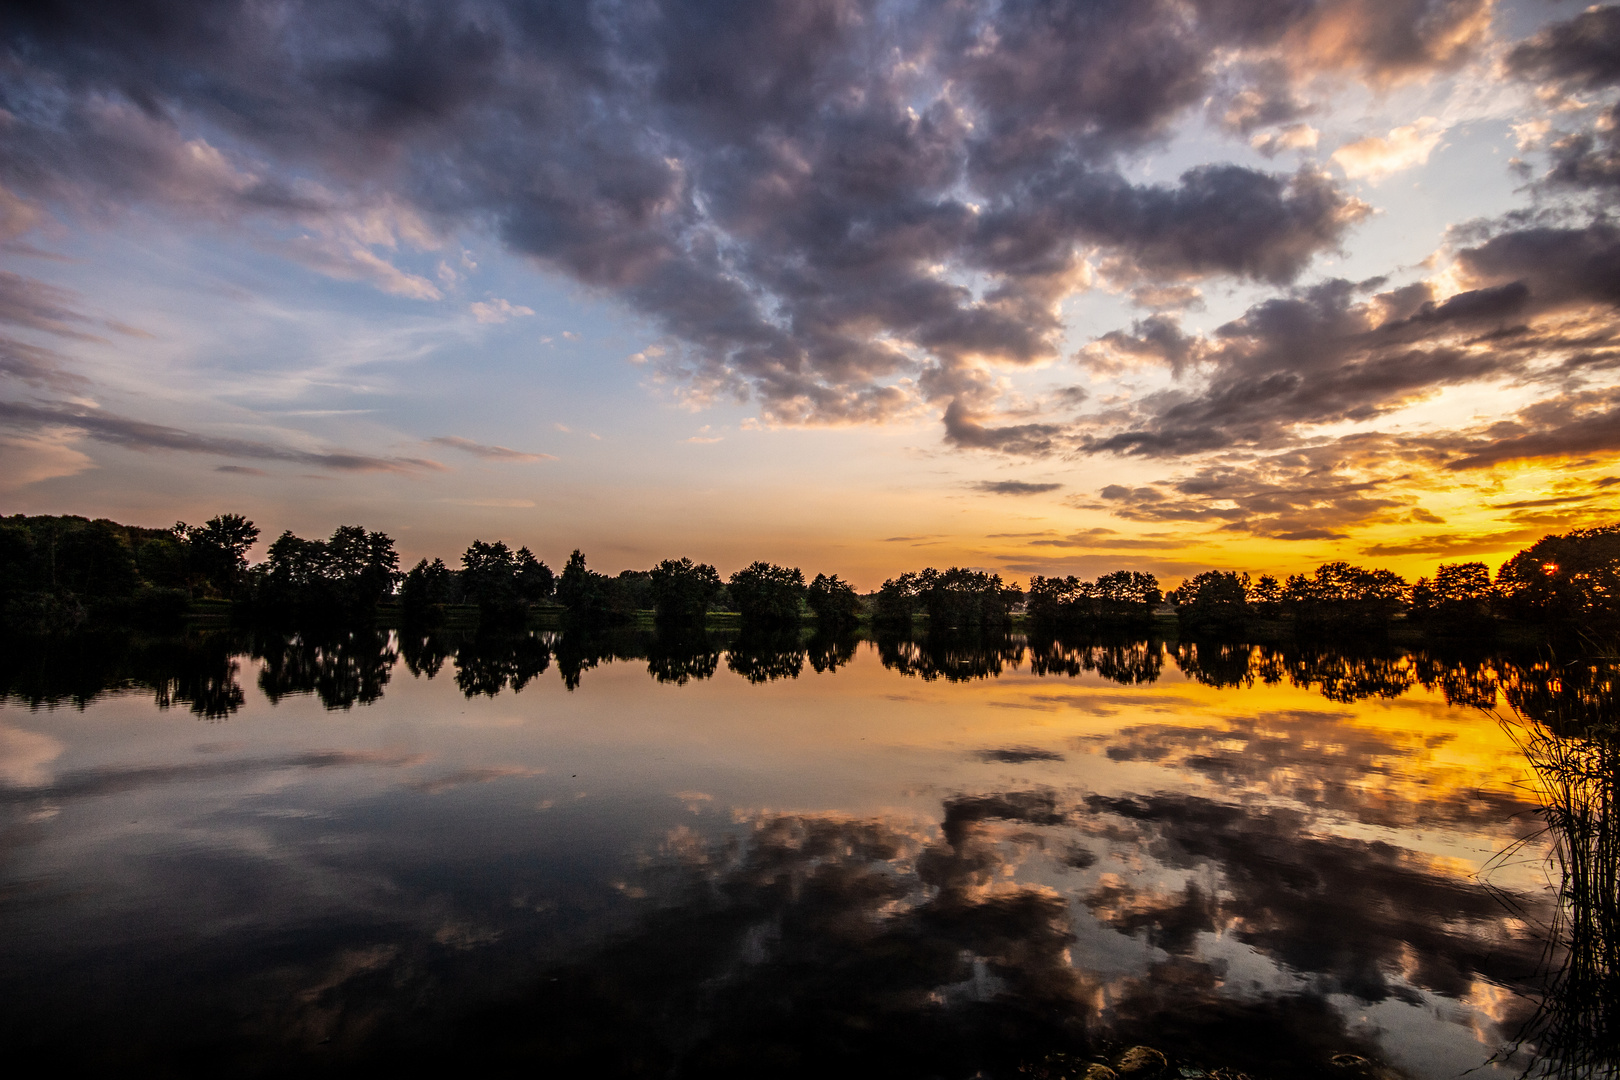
112,780
1371,918
1326,761
1018,755
814,931
463,777
25,756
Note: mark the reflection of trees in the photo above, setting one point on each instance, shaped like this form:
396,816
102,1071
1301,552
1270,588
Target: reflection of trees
1469,680
678,654
1217,664
1340,675
1571,736
342,668
1127,661
830,650
956,658
763,655
203,677
584,645
1348,677
425,650
489,663
196,670
1565,696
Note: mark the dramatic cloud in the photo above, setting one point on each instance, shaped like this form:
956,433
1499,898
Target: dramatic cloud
802,195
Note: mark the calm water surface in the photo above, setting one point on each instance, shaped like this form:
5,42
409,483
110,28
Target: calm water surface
645,858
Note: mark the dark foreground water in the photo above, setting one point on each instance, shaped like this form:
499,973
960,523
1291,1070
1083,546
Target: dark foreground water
631,856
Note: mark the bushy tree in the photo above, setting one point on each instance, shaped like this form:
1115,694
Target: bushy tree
95,562
1214,603
1460,597
345,576
897,600
963,599
682,589
216,551
834,602
1125,597
1265,597
582,591
427,589
535,581
1570,580
1342,597
766,594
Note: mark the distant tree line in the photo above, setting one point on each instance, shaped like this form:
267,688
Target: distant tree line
1568,582
61,573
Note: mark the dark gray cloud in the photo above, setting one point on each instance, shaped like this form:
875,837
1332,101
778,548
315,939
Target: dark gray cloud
795,191
1014,487
1338,352
1579,55
139,435
1582,53
1289,496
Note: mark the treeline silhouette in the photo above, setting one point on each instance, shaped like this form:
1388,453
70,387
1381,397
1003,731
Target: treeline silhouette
1568,582
59,574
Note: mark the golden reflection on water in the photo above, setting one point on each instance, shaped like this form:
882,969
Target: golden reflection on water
1132,838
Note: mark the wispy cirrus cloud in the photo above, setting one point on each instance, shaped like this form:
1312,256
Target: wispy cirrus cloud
489,452
134,434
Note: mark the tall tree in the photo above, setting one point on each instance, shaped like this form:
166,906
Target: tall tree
216,551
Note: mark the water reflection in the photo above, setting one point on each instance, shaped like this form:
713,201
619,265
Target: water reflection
198,671
343,668
349,667
953,657
1233,853
1568,726
1127,661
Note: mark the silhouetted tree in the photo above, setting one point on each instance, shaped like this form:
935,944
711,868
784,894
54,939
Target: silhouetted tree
682,589
1123,598
1265,597
896,601
343,577
1344,598
216,551
583,592
427,589
768,595
834,602
535,581
1460,598
1213,604
1570,581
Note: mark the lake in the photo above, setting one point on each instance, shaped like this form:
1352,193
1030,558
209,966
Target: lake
621,854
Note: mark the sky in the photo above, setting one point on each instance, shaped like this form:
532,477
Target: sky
1032,287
